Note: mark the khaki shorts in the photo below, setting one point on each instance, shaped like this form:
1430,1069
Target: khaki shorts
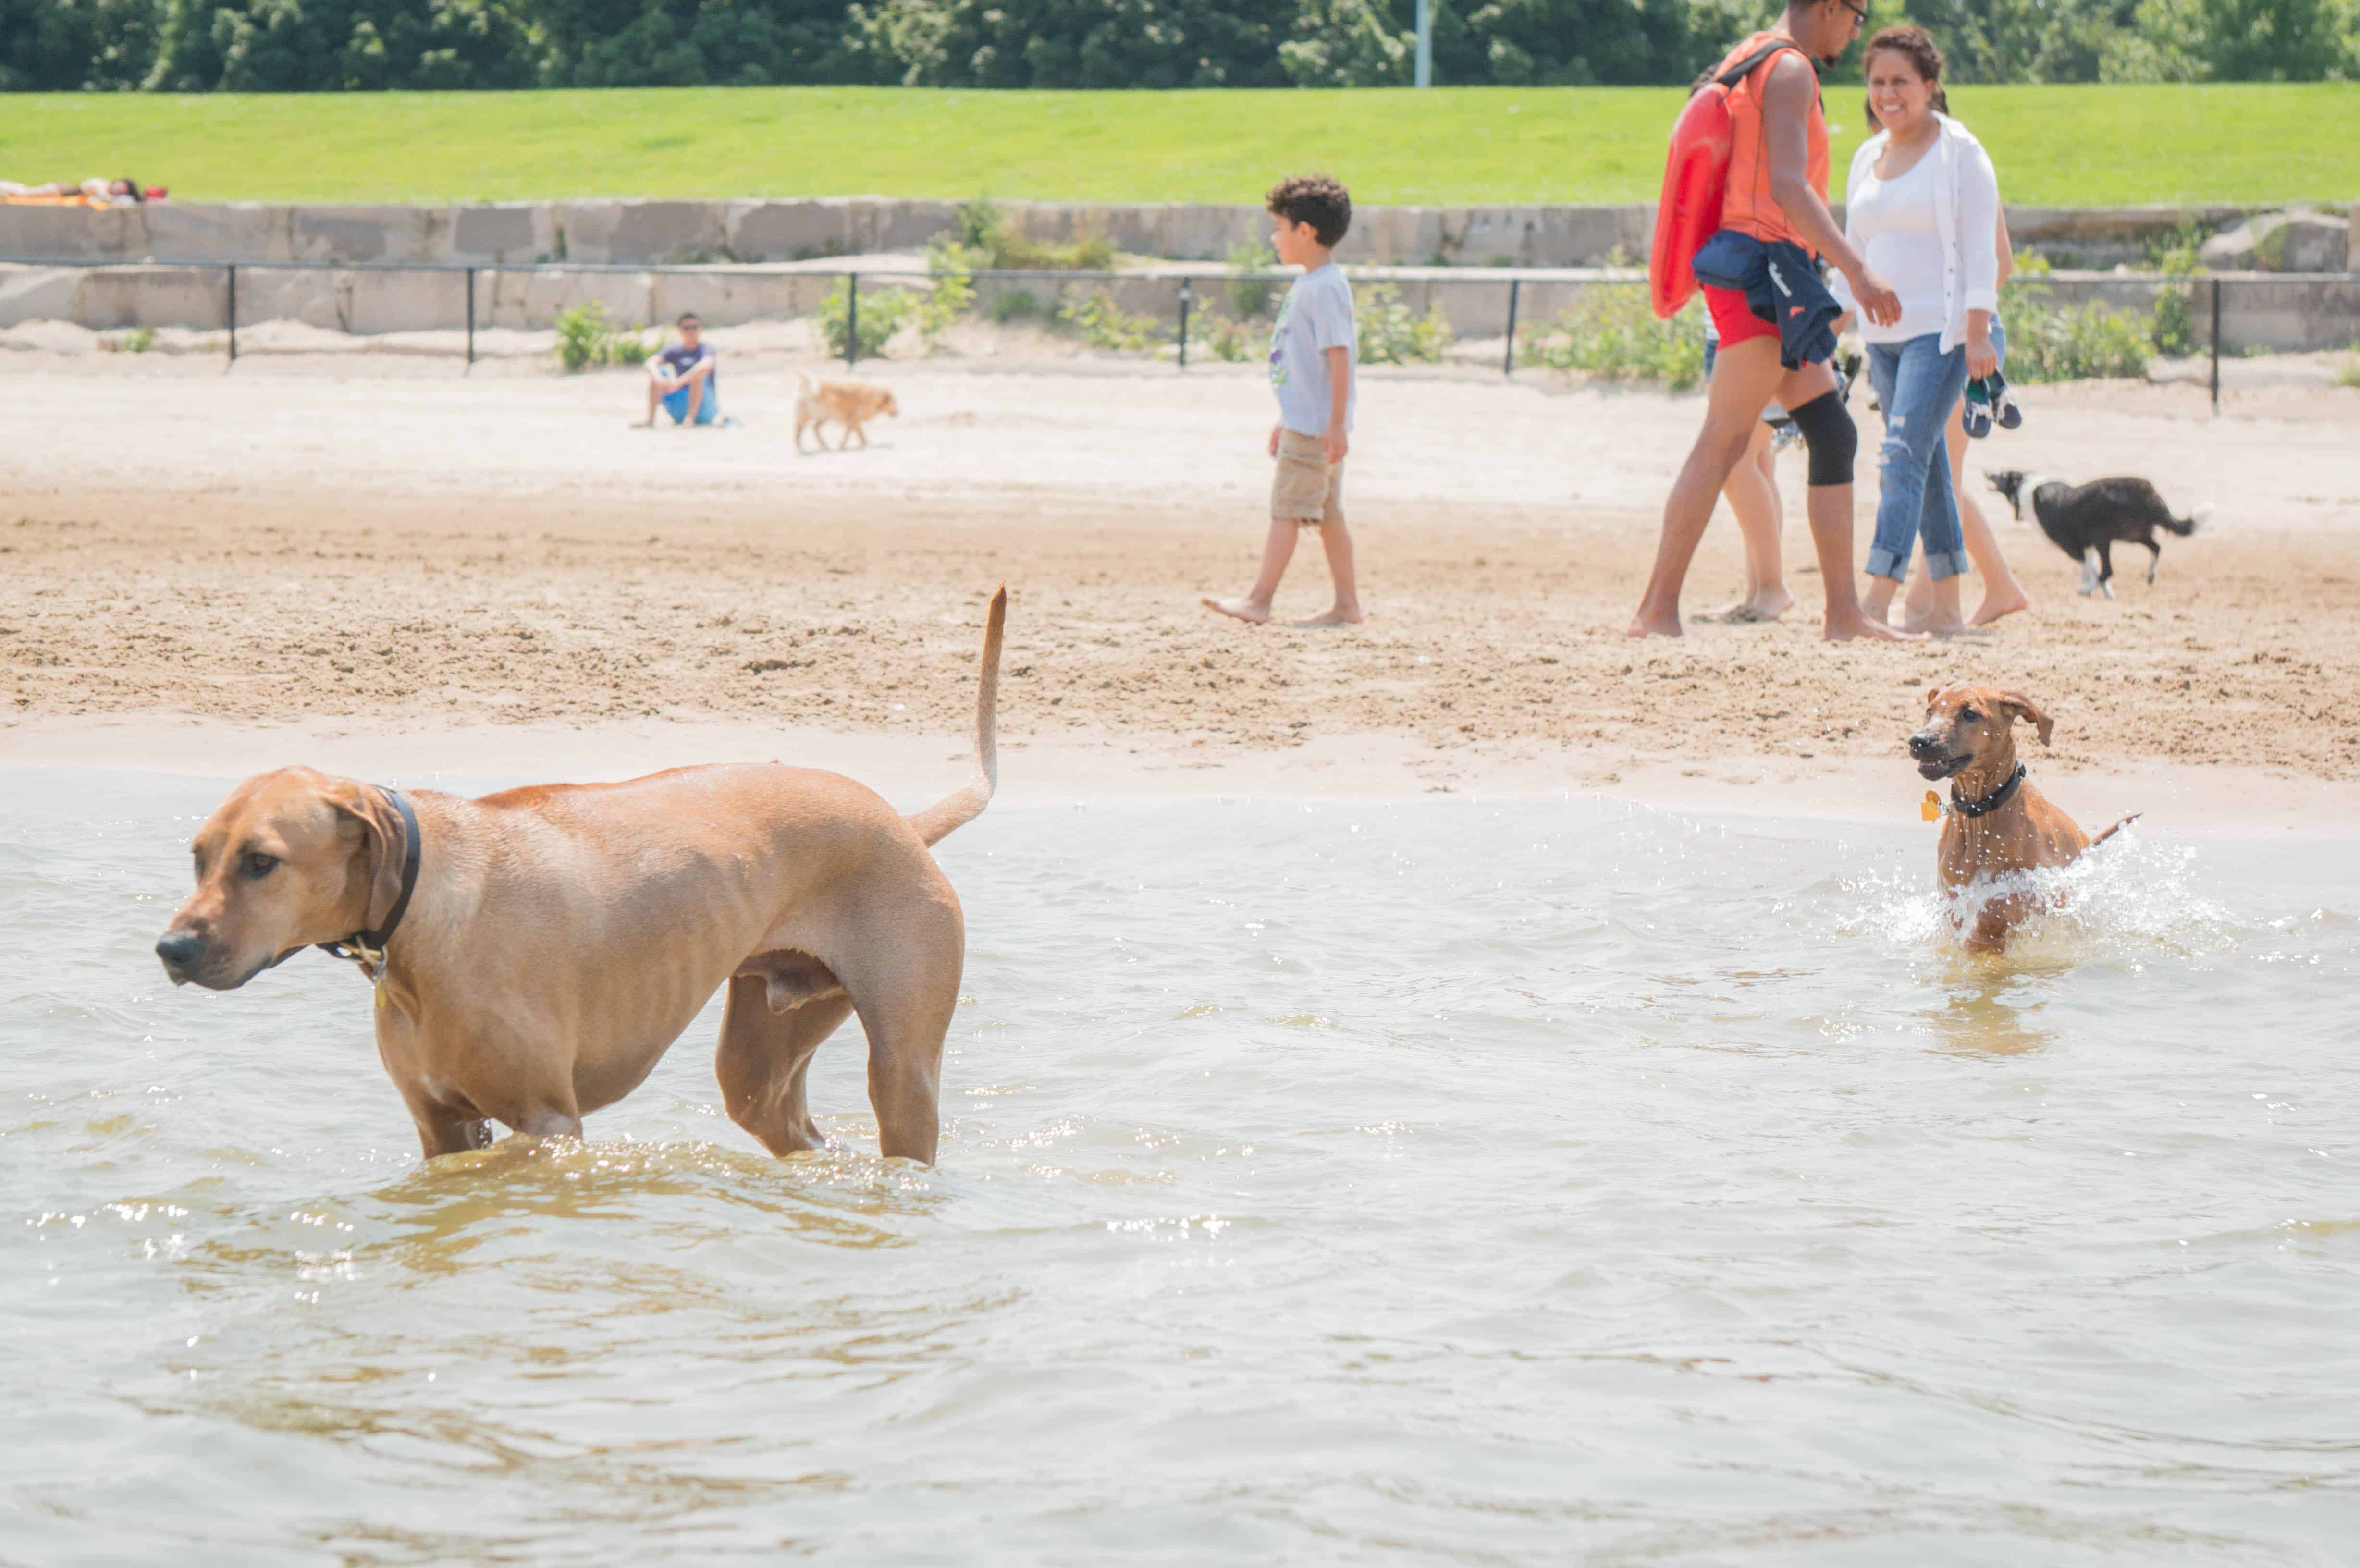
1305,487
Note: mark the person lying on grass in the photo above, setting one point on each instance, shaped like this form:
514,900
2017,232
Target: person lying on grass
684,380
1313,352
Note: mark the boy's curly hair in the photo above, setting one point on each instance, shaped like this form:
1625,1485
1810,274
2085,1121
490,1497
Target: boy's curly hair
1318,200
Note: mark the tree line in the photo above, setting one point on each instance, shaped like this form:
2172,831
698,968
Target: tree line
301,46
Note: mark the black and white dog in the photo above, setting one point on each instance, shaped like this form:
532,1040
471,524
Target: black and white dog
2086,519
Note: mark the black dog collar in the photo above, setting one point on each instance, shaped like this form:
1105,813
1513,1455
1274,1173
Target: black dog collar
1991,802
366,948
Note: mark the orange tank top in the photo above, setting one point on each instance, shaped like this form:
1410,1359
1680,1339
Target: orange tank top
1748,206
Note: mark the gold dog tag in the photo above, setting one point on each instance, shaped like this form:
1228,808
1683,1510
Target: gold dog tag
1932,809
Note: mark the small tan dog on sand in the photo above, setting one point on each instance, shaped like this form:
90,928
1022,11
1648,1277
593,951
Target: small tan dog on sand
1997,823
535,952
850,404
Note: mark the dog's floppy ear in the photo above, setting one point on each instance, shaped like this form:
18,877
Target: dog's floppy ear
1932,692
384,844
2017,705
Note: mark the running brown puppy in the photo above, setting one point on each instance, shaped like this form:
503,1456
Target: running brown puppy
850,404
535,952
1997,823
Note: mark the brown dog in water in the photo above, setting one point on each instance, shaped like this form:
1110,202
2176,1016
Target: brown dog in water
535,952
1997,822
850,404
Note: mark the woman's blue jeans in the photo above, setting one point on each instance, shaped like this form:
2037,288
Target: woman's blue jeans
1918,385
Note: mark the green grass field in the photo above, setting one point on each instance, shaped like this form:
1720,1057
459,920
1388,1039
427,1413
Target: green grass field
2071,146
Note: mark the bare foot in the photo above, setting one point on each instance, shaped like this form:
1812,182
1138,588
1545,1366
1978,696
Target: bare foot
1767,605
1340,617
1861,625
1243,609
1644,625
1994,606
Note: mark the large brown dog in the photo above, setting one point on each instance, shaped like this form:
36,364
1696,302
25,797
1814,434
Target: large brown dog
535,952
1997,822
850,404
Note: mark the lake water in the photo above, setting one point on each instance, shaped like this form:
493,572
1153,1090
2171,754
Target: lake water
1445,1181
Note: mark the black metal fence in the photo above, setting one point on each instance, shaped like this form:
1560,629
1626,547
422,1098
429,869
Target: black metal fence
1583,321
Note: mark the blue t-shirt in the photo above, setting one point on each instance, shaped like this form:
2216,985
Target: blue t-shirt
680,359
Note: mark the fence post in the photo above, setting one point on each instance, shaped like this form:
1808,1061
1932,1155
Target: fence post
851,319
1183,323
471,318
1508,360
232,314
2216,345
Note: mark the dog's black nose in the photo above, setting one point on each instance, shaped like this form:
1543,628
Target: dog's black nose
1922,745
179,949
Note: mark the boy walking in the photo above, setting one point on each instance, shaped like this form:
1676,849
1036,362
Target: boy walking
1313,352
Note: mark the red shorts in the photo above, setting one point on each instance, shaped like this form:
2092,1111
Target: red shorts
1733,318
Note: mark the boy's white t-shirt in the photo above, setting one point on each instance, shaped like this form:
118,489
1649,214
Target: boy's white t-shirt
1317,316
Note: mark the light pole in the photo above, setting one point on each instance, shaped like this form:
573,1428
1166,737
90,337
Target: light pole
1424,43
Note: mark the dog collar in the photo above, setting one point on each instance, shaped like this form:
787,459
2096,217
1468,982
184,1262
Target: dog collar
1991,802
366,948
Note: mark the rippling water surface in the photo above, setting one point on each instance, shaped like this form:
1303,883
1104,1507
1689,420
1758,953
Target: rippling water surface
1441,1181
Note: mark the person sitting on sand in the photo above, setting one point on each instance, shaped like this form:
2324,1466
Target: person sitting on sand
1313,349
684,380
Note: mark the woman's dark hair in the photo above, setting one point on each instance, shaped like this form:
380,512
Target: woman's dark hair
1916,46
1868,114
136,192
1318,200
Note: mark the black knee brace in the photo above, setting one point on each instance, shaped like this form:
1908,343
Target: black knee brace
1833,439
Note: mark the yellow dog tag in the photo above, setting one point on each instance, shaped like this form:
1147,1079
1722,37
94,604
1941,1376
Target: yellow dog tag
1932,809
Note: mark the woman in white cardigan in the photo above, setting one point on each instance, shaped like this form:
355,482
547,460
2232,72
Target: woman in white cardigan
1922,203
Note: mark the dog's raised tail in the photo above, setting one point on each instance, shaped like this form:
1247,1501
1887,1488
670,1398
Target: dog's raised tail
954,811
2195,520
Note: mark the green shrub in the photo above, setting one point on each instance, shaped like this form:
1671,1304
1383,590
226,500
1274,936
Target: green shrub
2350,375
1013,304
882,313
141,340
1231,341
1250,296
2174,329
992,240
1101,323
585,338
2053,342
582,336
953,295
1611,331
1014,252
980,223
1390,334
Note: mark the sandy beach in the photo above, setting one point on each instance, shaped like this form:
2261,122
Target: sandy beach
379,563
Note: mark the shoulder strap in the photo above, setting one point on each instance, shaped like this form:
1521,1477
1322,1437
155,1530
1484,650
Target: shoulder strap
1758,59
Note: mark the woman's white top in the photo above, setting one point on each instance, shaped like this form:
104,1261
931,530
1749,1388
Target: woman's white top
1931,233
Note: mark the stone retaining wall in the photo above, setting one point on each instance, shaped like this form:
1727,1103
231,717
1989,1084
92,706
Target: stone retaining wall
672,233
2259,311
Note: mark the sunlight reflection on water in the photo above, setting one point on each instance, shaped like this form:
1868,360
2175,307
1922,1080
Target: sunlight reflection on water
1443,1180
